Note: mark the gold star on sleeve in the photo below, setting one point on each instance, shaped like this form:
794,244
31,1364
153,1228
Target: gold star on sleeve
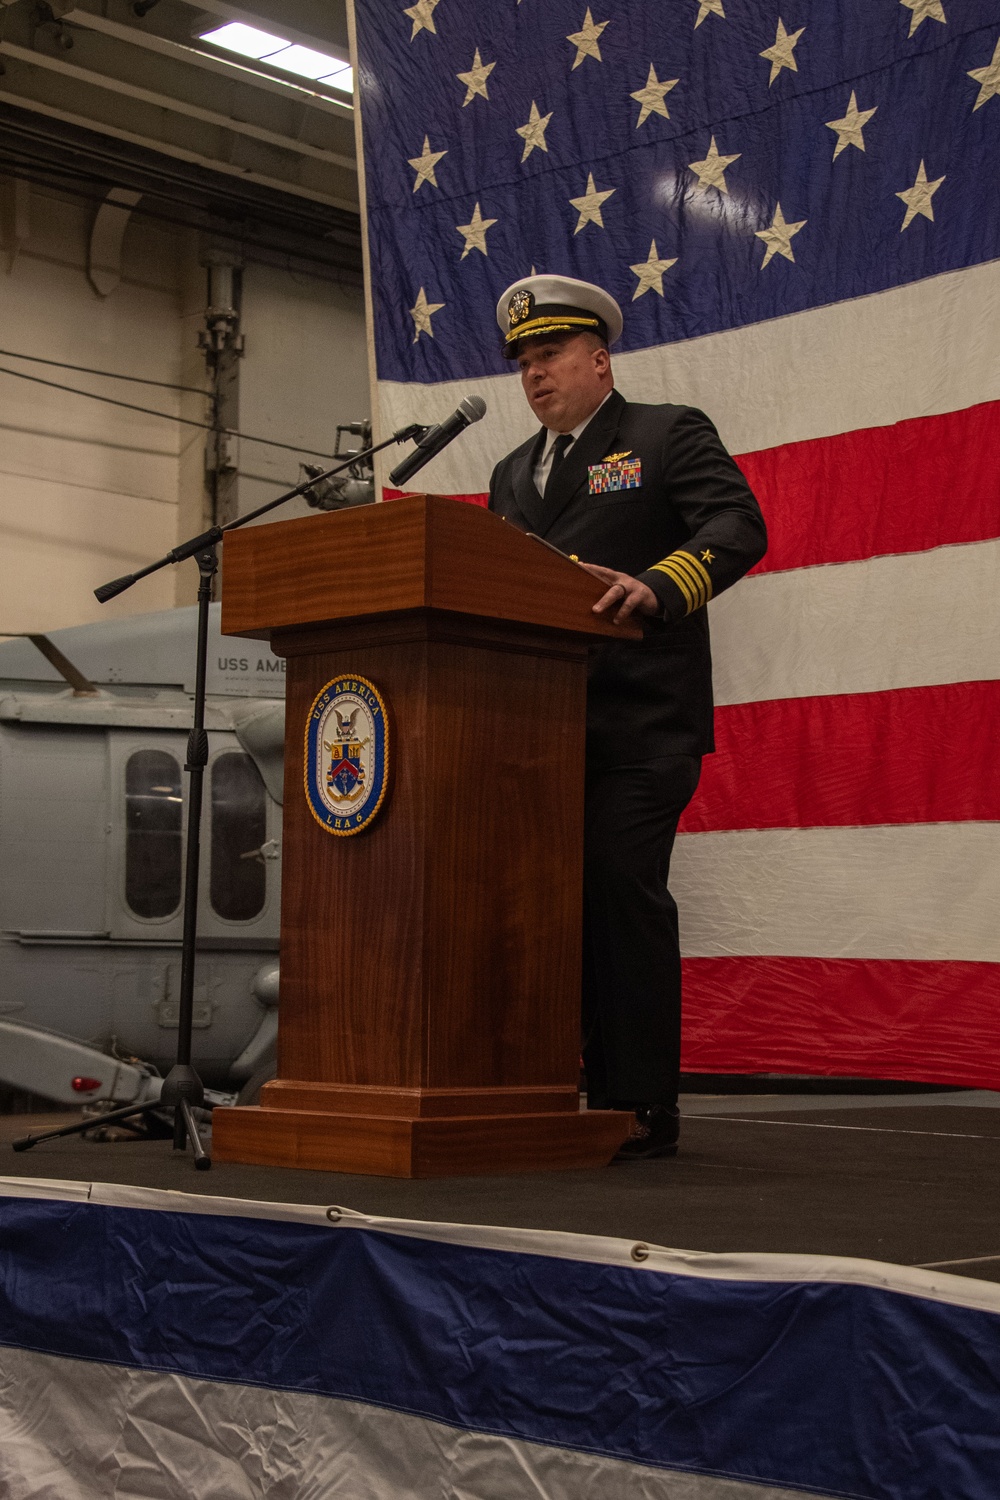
424,164
918,198
585,40
709,8
422,16
588,205
533,134
782,54
924,10
711,173
474,232
650,272
988,79
475,79
778,238
421,312
651,97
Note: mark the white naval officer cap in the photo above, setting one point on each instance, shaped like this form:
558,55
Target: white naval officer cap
537,305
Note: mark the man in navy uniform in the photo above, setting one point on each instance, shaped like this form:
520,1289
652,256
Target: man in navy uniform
652,504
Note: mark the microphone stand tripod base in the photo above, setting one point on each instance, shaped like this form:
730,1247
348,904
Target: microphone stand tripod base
184,1092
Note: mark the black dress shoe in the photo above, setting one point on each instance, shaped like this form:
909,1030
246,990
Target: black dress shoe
656,1132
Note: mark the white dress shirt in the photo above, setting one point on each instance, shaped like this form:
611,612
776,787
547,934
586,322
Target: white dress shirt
544,464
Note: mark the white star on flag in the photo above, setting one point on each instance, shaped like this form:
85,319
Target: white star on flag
709,8
711,173
424,164
782,54
421,312
588,206
918,198
778,238
533,134
850,127
650,272
924,10
988,79
585,40
475,79
651,97
422,16
475,232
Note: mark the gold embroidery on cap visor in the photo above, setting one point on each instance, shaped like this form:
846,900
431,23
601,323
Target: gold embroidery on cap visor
690,577
539,326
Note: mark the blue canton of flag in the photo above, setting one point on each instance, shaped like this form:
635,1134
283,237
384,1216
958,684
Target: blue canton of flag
712,163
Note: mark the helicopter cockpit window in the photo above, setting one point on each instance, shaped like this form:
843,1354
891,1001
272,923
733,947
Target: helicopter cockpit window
238,876
153,816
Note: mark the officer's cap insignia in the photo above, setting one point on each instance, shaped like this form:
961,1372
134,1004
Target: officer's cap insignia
347,755
519,307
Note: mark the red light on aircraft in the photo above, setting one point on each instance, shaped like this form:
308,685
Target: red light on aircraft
85,1085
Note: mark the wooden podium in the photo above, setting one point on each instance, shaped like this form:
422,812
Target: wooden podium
430,965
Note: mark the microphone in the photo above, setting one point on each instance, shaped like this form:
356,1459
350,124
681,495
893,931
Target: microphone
472,409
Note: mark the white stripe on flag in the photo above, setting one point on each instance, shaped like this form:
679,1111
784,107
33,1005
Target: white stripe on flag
908,891
910,620
913,351
82,1431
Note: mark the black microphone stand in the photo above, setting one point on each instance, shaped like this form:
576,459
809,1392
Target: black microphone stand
182,1088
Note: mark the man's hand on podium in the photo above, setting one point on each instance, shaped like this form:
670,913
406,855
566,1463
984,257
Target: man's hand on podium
627,593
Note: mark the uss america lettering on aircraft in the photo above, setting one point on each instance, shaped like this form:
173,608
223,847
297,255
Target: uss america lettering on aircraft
242,665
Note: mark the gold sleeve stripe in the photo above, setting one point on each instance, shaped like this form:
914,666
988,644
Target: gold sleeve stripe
690,577
682,580
676,565
703,571
684,561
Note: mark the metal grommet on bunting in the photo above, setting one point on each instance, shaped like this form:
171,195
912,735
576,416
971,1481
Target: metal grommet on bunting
335,1215
639,1251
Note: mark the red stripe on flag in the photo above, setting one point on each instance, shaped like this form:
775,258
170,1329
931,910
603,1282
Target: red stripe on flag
914,755
924,483
388,494
878,1018
918,484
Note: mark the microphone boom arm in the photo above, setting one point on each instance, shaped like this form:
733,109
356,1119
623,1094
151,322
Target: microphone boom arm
214,534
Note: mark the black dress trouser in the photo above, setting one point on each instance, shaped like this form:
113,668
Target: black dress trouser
631,949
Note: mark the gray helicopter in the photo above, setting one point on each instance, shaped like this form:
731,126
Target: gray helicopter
93,732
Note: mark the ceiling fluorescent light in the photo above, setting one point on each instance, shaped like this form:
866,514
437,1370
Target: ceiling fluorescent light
246,40
343,80
305,62
278,52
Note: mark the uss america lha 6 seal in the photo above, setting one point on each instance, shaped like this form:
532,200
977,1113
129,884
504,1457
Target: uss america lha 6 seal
347,755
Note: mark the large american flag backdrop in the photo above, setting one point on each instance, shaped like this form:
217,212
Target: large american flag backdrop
796,204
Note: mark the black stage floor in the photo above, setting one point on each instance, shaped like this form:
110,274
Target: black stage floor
905,1178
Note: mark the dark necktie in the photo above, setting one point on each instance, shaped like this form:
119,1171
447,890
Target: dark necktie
559,447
